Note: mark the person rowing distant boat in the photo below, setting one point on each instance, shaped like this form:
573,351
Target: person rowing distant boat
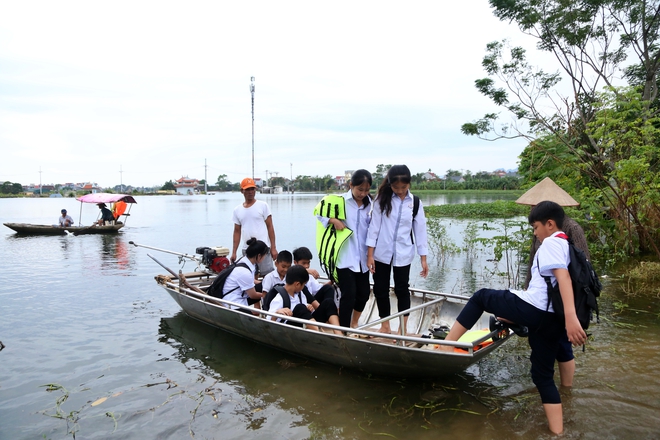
107,218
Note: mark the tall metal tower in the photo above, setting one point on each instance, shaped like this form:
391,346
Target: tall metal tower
252,92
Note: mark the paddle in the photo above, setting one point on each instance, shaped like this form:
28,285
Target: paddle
182,279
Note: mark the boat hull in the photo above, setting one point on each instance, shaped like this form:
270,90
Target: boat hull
367,355
29,229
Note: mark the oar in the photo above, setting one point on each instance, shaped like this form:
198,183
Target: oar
182,279
164,267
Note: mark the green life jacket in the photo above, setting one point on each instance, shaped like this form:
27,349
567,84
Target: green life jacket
328,239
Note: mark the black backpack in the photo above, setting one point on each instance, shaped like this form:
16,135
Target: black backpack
415,211
278,289
586,287
218,285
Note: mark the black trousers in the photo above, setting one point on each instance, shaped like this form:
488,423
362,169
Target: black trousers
354,293
382,287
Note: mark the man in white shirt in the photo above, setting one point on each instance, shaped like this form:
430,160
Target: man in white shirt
65,220
253,218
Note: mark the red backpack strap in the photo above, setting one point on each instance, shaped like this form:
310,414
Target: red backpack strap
562,235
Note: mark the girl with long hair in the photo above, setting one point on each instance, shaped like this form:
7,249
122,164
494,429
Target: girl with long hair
394,234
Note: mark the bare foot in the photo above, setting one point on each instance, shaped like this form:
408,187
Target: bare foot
385,329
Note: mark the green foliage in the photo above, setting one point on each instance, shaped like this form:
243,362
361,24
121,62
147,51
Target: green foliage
643,279
11,188
223,184
168,186
600,146
440,244
497,209
510,248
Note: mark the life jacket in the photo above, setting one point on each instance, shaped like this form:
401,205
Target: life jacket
328,239
118,209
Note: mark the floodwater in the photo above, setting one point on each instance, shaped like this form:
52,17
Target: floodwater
84,315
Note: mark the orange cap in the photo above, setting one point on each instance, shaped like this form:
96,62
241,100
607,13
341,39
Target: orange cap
248,183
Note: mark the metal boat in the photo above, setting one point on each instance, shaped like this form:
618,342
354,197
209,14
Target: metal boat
413,354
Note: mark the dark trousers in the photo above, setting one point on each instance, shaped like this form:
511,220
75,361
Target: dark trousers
382,287
547,335
355,290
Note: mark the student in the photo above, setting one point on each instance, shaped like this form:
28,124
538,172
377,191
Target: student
282,264
390,245
352,269
302,256
65,220
239,286
252,218
548,338
325,311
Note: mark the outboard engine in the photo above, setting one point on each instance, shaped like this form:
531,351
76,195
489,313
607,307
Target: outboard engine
214,258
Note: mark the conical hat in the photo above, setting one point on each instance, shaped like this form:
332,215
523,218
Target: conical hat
546,189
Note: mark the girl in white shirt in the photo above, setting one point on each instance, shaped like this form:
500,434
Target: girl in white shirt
390,246
352,269
239,285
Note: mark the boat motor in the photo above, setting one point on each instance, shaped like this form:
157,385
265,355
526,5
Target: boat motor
214,258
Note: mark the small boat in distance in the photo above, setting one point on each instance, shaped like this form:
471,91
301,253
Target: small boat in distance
121,207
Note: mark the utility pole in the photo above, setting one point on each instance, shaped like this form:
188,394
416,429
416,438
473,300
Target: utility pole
290,177
40,190
252,92
206,187
121,181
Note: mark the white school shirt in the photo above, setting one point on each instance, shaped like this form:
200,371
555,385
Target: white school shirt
390,236
277,303
243,279
270,280
553,254
252,221
353,254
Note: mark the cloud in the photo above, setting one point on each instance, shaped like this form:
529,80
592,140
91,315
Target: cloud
157,88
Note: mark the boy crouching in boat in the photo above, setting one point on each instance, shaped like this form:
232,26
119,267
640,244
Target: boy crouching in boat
299,304
548,338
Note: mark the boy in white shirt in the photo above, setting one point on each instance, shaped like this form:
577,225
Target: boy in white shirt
282,265
300,305
549,337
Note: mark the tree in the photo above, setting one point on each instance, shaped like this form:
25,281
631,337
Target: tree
222,183
168,186
379,174
590,40
11,188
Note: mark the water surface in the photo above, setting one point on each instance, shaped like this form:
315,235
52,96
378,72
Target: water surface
84,313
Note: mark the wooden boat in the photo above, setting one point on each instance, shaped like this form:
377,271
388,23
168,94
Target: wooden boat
362,349
108,228
29,229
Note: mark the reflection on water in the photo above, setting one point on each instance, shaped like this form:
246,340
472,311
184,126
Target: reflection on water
84,312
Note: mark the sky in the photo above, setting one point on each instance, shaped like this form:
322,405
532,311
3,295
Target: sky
139,93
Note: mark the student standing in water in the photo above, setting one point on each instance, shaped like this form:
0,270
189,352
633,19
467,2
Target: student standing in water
352,269
390,242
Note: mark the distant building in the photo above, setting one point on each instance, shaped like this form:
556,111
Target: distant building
90,187
186,186
430,176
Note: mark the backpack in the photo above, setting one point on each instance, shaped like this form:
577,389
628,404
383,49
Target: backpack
586,287
218,285
278,289
415,211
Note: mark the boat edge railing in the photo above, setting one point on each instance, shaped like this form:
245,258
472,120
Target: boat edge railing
469,346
